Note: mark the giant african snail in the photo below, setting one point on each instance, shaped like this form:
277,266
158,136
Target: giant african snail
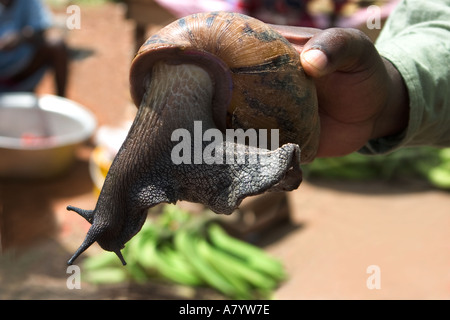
222,70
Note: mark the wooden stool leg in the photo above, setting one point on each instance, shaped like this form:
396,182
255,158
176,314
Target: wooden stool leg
139,35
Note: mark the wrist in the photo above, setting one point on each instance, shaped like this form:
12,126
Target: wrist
394,116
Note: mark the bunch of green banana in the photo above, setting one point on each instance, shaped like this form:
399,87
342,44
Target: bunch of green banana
429,163
439,175
193,251
233,267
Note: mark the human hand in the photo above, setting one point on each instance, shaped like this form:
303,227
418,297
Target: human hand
361,95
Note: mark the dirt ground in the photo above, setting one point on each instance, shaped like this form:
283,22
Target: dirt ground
341,235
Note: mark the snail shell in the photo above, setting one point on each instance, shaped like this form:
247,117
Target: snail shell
258,79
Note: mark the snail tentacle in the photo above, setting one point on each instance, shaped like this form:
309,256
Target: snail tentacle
87,214
88,241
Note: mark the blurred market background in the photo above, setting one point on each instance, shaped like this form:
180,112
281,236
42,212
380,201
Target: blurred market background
349,214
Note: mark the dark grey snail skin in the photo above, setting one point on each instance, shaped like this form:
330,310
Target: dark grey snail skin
143,174
223,70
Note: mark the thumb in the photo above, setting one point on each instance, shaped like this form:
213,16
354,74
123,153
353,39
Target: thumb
337,49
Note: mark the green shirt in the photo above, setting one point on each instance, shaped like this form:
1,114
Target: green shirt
416,40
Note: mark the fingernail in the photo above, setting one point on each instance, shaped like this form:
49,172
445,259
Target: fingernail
315,58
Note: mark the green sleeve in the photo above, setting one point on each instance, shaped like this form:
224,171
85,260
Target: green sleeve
416,40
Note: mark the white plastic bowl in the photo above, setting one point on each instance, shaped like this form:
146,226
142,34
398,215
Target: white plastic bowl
39,134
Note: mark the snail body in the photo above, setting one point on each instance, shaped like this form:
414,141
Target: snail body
227,71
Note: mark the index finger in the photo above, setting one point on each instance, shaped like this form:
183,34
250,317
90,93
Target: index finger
297,36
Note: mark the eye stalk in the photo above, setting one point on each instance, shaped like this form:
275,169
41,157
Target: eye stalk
87,214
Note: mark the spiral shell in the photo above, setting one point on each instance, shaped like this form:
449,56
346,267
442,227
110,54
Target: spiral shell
257,75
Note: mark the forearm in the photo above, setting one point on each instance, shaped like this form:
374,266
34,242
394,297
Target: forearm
416,40
393,118
26,35
30,35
